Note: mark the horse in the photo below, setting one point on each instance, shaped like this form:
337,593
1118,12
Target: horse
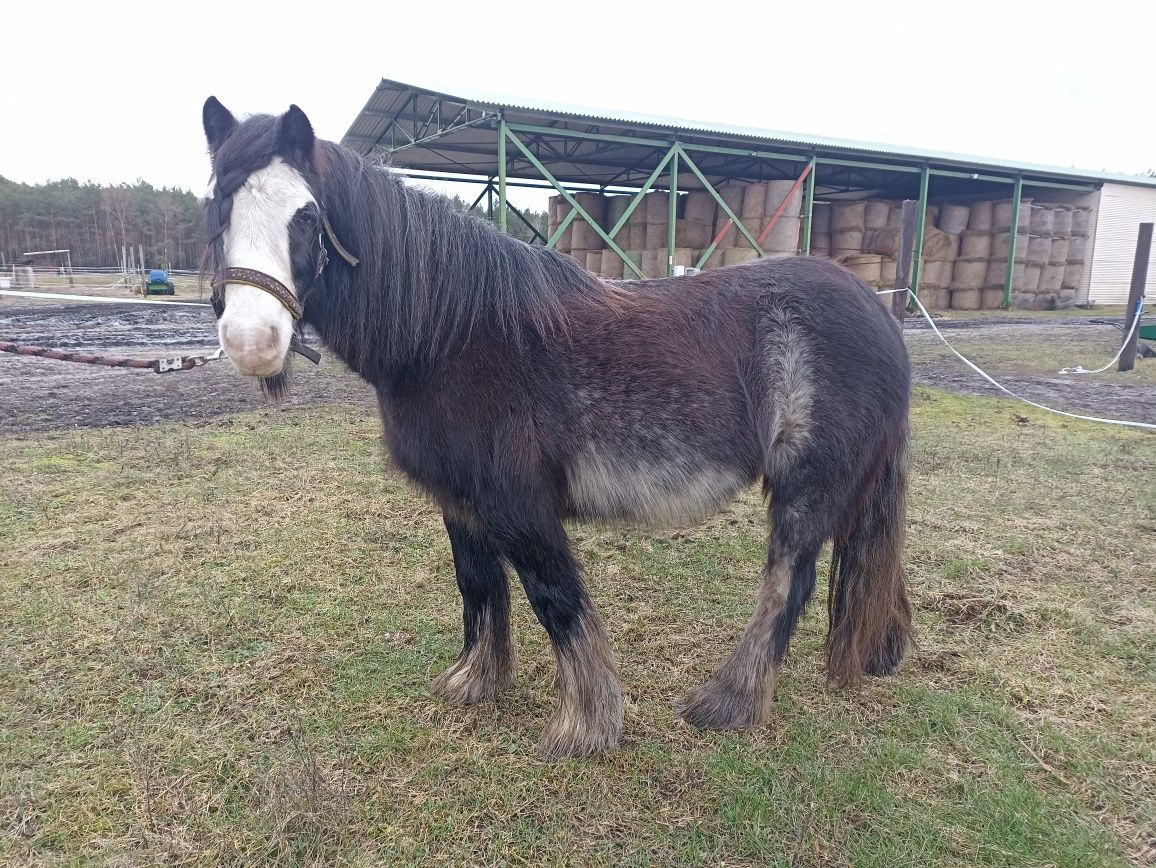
520,393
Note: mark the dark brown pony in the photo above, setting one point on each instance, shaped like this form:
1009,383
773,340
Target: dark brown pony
520,391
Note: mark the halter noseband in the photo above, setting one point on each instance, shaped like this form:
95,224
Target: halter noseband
268,283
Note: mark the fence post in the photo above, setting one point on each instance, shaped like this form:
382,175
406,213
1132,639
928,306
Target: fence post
905,258
1139,279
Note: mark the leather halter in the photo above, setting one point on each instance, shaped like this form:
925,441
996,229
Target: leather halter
268,283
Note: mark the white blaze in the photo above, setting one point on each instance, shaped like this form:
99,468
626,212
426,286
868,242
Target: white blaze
255,328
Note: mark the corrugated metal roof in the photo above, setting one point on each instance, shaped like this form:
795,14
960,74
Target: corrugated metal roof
474,149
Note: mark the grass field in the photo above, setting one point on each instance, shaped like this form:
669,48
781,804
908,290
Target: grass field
215,642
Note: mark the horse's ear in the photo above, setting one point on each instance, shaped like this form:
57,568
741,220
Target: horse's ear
218,121
297,139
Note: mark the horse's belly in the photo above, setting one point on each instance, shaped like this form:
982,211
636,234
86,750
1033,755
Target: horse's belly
662,491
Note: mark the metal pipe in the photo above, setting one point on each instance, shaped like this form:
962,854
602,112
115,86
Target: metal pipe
502,174
808,208
672,213
1017,197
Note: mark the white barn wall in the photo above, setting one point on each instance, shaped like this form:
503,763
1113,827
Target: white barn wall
1122,208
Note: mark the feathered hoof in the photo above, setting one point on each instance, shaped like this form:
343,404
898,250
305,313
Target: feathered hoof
571,735
467,681
718,706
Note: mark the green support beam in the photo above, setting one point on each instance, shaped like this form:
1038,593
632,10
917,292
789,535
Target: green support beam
917,263
721,203
1017,197
576,208
502,174
808,208
672,213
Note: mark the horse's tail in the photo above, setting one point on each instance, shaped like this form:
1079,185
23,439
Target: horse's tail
870,618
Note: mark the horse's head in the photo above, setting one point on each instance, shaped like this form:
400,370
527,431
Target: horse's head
264,222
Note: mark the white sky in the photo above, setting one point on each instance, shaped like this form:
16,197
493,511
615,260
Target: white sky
113,92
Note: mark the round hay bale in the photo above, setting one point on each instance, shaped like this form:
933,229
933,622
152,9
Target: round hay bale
586,236
846,241
936,273
1066,299
594,261
686,257
981,216
754,225
974,245
820,218
1002,211
821,244
715,260
876,214
654,263
656,207
888,270
1032,275
933,298
966,299
939,246
1082,221
1039,250
635,235
634,256
656,236
1062,221
700,207
932,215
996,274
784,235
895,215
23,277
999,246
692,234
754,200
884,240
969,273
1060,247
738,255
1077,248
777,191
1043,220
868,266
991,299
612,264
953,218
1073,275
1052,278
1024,300
847,216
615,207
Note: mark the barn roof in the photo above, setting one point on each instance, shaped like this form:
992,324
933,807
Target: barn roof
425,130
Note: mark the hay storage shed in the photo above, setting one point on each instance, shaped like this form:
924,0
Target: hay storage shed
652,193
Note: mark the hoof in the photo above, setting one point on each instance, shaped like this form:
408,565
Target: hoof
717,706
568,735
468,681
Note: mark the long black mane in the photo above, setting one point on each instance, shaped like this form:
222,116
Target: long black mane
428,277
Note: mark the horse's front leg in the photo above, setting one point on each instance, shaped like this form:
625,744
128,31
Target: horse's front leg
486,665
588,718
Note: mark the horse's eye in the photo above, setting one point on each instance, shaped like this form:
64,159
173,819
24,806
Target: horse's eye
306,217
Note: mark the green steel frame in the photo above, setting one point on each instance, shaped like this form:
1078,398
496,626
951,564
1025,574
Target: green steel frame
671,155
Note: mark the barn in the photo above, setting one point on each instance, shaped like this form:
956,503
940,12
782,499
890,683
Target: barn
641,196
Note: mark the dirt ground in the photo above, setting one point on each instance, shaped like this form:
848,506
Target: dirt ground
42,394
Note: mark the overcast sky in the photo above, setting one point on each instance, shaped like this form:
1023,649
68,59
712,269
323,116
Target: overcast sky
113,92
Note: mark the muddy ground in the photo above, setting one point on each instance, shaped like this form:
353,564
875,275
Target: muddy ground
43,395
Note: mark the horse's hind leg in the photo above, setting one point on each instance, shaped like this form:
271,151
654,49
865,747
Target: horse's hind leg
588,718
486,665
740,693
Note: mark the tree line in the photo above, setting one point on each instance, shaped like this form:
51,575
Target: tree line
94,221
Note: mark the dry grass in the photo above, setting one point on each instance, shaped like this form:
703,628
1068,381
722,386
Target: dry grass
215,643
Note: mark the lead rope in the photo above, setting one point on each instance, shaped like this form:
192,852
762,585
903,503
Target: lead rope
1146,425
